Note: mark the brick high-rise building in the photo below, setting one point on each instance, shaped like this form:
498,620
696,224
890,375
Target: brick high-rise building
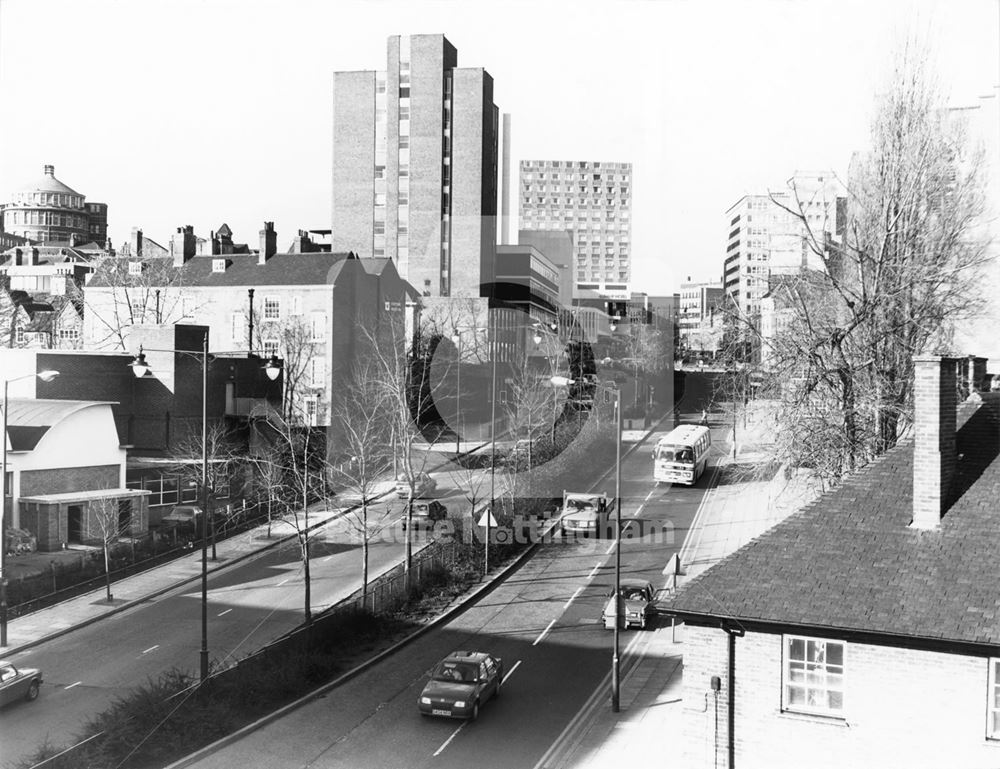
594,200
415,151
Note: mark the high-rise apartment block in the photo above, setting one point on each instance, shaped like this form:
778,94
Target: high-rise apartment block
594,201
415,166
767,235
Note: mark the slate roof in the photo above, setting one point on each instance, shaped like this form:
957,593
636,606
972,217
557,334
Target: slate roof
849,561
243,270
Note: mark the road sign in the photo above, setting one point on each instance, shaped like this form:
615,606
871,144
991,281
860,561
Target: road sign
488,520
673,565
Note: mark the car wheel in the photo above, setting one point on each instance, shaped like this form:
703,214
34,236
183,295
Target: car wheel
642,624
475,711
32,692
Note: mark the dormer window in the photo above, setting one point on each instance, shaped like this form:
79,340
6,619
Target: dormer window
218,265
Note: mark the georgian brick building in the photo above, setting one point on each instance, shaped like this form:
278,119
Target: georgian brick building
864,630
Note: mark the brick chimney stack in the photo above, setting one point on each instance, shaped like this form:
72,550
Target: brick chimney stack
182,245
935,399
268,243
135,243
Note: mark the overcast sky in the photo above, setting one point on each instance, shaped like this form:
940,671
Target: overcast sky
208,111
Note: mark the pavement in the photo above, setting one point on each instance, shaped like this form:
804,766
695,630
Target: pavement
648,721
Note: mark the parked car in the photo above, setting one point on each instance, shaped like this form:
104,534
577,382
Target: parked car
460,684
18,683
182,516
426,512
423,485
636,605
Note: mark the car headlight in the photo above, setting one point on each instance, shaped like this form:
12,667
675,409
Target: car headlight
425,700
460,704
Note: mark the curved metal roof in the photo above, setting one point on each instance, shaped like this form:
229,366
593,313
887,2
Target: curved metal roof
28,419
48,183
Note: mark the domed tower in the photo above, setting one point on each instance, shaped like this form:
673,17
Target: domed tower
48,211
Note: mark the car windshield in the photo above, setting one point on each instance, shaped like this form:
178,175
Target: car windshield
675,454
633,594
456,672
580,504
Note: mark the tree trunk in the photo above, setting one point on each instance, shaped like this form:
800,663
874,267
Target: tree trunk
304,545
107,571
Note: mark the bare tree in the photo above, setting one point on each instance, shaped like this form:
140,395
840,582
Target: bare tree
111,525
220,449
293,340
363,421
903,273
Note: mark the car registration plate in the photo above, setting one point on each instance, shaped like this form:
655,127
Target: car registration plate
437,712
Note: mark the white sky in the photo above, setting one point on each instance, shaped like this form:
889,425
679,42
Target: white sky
208,111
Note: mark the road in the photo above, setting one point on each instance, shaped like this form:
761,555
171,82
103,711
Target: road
250,604
544,621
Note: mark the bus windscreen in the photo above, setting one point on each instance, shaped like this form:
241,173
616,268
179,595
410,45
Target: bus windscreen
682,454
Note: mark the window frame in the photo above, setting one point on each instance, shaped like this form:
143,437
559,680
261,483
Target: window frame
786,683
993,699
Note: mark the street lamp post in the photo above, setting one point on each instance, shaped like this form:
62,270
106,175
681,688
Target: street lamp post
140,368
560,381
456,338
45,376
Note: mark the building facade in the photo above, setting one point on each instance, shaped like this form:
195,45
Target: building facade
592,199
766,235
47,210
828,640
415,166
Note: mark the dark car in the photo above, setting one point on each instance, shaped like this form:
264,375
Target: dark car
635,607
426,512
460,684
18,683
182,516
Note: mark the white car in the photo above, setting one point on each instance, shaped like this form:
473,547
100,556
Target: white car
423,485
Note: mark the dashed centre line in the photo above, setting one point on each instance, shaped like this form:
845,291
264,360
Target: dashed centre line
72,685
593,572
573,597
282,582
509,672
151,648
544,633
221,613
454,734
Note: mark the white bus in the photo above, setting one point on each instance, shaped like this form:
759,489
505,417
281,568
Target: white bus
681,455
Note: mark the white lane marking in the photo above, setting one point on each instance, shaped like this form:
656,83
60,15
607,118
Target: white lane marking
447,742
610,550
327,558
72,685
544,633
593,572
504,679
151,648
648,496
224,612
282,582
573,597
639,510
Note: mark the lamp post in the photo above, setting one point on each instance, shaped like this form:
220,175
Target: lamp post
140,368
559,381
45,376
456,339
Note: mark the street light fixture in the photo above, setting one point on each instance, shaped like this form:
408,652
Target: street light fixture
561,381
139,366
46,376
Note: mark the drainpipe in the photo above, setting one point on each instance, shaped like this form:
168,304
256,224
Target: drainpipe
250,326
733,633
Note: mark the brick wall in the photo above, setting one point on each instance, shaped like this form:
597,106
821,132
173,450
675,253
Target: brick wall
934,423
902,708
64,480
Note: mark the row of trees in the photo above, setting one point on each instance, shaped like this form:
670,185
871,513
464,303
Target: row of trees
901,276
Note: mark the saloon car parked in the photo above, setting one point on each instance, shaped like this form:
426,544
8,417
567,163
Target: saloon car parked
423,485
636,608
460,684
426,512
18,683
